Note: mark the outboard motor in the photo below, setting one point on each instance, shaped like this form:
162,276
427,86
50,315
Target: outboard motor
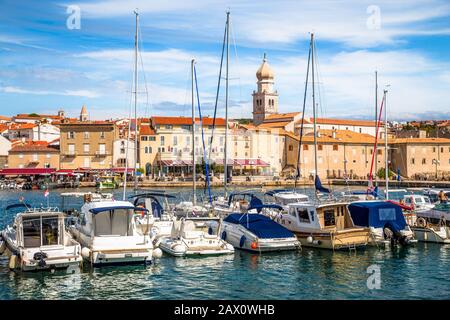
40,256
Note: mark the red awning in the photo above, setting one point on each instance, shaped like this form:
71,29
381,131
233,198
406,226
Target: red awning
175,163
27,171
244,162
122,170
68,172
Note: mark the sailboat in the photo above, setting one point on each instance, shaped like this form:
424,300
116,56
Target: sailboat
318,223
191,235
107,229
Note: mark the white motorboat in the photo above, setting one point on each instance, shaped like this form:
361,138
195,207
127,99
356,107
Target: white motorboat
283,197
157,220
188,209
323,225
38,240
418,201
108,234
193,236
237,202
255,232
385,220
433,225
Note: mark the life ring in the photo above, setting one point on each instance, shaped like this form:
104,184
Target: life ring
421,222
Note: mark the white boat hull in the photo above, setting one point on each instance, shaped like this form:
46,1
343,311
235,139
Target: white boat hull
426,234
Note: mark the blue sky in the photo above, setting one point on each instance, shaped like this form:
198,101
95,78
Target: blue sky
44,66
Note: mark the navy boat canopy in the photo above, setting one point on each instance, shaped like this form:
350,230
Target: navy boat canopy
262,226
18,205
377,214
102,209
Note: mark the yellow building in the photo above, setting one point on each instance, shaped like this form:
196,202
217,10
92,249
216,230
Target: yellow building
37,154
419,158
340,154
87,144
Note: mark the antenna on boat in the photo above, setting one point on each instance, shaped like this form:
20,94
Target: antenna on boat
386,156
376,122
225,168
136,45
194,200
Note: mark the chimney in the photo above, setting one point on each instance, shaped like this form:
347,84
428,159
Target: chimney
333,134
318,134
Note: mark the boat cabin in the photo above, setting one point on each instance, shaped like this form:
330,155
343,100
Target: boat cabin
108,218
40,228
285,196
332,216
151,202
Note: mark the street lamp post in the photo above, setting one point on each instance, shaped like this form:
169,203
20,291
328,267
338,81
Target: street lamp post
436,162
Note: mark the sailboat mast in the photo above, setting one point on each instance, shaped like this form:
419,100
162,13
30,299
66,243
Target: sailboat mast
376,124
386,156
136,44
225,167
193,135
314,105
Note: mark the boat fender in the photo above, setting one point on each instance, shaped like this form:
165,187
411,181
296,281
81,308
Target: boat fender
12,262
242,241
317,242
254,245
85,253
156,242
157,253
224,235
309,239
2,246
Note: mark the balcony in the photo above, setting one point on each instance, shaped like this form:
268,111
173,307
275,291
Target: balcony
69,153
102,153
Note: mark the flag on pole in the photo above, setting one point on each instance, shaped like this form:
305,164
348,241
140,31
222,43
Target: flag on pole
46,193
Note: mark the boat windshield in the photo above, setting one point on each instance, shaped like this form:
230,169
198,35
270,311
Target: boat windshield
40,231
113,222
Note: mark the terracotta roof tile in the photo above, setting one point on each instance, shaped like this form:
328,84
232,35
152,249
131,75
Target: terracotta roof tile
156,120
146,130
350,122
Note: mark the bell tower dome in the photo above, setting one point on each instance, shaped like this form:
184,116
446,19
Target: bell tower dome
265,99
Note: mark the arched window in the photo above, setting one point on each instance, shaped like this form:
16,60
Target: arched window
146,149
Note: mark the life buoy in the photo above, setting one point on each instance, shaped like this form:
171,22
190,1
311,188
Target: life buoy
421,222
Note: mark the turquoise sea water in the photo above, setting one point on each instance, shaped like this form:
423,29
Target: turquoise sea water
418,272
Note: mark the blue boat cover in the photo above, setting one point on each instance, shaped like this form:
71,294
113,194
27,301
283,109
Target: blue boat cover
377,214
102,209
262,226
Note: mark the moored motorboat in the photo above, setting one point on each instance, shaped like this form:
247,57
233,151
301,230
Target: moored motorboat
107,233
256,232
384,219
323,225
38,240
192,237
433,225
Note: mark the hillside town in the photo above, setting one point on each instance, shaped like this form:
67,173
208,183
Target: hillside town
62,148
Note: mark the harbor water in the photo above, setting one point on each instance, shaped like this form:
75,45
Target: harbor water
417,272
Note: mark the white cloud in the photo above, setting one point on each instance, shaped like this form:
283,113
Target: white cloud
76,93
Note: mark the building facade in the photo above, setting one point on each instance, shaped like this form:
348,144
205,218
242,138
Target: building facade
37,154
87,144
421,158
